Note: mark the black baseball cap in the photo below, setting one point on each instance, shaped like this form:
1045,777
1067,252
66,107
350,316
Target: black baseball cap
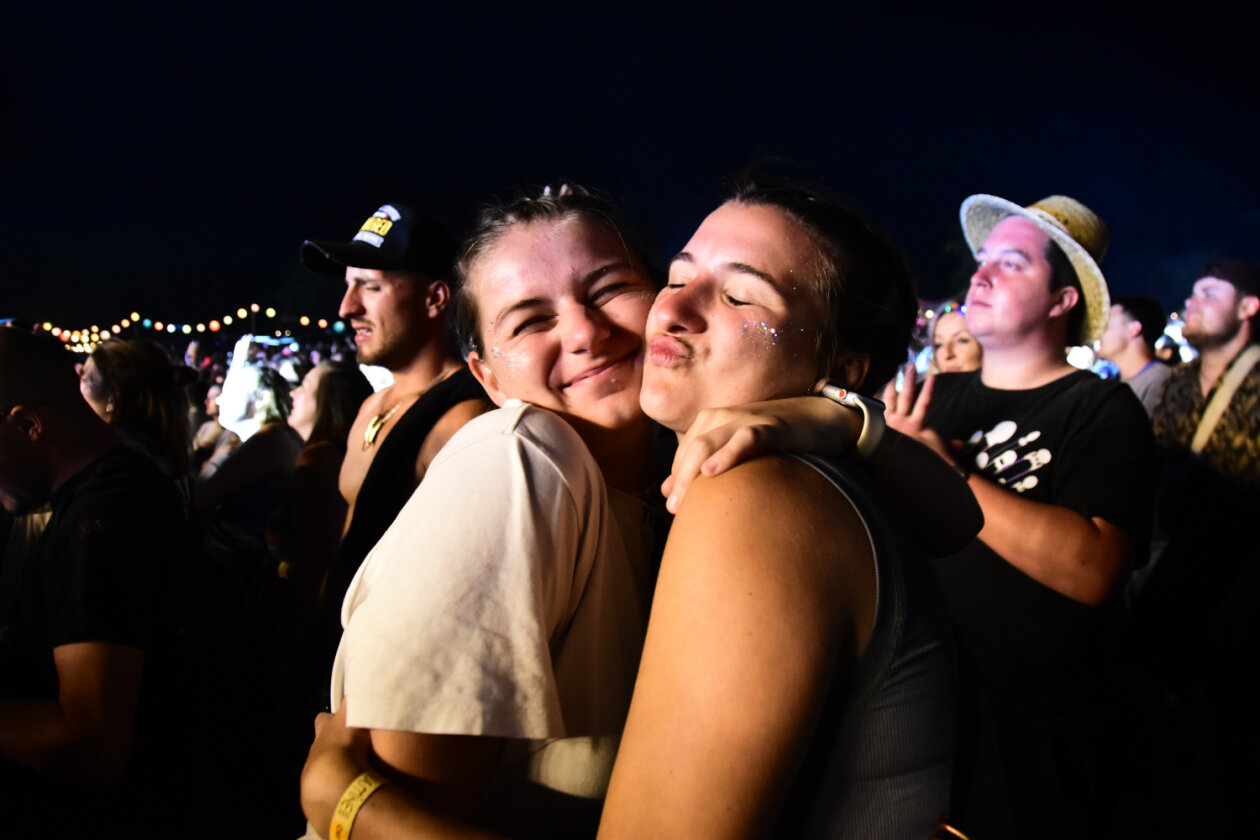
394,238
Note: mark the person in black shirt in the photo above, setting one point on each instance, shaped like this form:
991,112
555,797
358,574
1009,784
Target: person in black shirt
83,628
1062,464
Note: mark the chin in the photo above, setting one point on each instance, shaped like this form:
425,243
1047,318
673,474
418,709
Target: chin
615,416
660,410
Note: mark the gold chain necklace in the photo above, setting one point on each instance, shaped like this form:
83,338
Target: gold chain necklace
378,422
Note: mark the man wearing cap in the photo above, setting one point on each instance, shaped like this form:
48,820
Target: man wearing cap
1133,327
1061,464
395,270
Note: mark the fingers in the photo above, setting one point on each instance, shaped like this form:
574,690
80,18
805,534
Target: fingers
717,440
703,453
889,395
905,398
925,399
900,402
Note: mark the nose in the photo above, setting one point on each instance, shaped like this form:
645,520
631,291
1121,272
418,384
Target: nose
583,328
676,309
351,305
981,276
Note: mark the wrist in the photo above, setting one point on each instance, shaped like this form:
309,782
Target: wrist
347,809
324,780
872,411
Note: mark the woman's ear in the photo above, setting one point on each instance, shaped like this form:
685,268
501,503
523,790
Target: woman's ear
483,374
849,370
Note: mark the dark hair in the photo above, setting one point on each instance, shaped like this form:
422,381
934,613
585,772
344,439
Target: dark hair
147,390
341,391
271,382
1062,275
35,367
867,293
1243,275
1146,311
571,201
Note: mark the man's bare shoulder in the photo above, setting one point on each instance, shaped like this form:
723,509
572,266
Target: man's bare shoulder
445,428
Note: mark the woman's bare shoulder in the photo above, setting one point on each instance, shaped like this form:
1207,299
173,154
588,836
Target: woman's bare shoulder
775,487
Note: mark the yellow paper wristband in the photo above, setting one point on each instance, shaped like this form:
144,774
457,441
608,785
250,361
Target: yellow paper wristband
357,792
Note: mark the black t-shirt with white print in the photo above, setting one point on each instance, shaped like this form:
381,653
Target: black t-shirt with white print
1079,442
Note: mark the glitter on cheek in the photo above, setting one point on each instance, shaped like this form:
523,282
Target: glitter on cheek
508,362
761,332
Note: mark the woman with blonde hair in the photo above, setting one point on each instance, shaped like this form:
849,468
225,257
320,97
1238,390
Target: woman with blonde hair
954,348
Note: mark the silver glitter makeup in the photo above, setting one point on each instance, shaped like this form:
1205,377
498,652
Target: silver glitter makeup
761,332
507,361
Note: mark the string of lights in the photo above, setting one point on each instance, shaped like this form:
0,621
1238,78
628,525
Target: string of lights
83,339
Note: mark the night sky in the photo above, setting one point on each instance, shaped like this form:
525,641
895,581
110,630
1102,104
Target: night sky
171,160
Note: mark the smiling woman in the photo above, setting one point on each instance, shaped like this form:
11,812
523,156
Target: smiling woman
521,622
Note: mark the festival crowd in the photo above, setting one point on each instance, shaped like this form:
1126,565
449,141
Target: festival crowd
633,552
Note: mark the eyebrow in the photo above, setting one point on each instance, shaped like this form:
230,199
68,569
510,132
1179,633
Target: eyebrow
1019,251
588,279
742,268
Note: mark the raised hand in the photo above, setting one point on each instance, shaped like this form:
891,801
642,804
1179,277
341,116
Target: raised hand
906,411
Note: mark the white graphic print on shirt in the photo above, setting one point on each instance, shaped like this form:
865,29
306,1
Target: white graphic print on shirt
1010,460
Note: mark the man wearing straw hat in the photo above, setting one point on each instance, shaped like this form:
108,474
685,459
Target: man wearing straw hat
1061,463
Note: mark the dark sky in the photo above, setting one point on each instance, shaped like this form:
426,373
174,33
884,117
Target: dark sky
172,159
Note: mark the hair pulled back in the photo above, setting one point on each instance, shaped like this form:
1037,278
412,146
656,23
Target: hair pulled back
571,201
867,294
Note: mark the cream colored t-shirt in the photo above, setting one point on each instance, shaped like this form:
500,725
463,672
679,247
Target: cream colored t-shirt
503,602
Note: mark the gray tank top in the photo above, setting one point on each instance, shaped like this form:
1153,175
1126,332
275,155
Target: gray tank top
881,759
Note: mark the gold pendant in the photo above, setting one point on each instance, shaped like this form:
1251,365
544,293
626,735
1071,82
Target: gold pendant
374,428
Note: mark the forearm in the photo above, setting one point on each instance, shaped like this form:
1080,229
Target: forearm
1080,557
393,811
931,498
40,735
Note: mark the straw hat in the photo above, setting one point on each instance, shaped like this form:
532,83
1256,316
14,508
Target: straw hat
1074,227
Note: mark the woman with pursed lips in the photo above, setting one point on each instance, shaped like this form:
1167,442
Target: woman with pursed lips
798,675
